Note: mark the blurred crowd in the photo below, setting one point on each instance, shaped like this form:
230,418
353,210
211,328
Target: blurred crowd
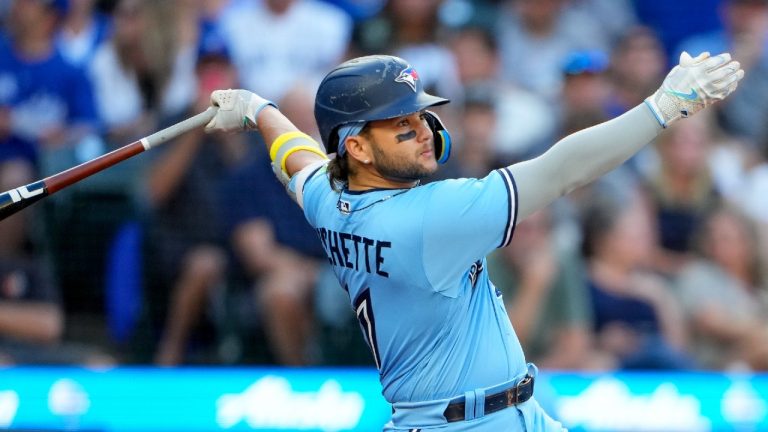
193,254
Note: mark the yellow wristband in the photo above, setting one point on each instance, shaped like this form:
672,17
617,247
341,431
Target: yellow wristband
310,148
284,138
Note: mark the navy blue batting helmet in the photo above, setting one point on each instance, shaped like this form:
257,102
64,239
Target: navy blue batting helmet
370,88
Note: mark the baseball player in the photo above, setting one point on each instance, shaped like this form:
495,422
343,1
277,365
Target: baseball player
412,257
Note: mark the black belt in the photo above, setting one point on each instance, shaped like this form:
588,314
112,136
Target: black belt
495,402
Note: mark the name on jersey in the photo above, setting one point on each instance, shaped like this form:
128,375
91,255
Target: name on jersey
354,251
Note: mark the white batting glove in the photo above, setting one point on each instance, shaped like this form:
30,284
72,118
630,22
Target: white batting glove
238,110
693,85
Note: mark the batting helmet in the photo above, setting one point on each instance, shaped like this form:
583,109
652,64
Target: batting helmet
370,88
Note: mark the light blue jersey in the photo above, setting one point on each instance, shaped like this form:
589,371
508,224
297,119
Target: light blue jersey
413,263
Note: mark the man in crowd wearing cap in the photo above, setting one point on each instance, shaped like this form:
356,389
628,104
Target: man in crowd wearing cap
186,244
44,101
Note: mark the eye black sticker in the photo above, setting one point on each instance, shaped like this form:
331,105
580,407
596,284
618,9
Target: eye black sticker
406,136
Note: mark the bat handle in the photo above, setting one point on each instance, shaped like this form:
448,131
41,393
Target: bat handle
179,128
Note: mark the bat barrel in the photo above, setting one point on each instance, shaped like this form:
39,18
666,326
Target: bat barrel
73,175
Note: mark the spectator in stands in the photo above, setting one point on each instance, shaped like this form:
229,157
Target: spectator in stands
616,16
45,102
585,91
186,244
278,252
740,172
536,35
31,317
545,294
637,66
524,123
136,72
83,29
724,295
133,74
277,43
31,313
477,122
636,316
664,18
681,190
745,35
583,103
47,107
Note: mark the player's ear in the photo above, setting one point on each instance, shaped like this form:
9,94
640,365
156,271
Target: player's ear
358,148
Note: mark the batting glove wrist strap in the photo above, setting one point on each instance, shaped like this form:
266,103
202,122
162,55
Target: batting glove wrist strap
694,84
238,110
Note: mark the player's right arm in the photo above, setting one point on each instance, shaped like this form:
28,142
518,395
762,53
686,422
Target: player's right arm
584,156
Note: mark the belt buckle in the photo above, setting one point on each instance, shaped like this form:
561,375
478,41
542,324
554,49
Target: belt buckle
513,397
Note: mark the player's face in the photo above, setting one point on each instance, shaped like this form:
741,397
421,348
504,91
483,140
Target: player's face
403,148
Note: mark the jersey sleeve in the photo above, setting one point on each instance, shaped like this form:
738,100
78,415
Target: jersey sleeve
464,220
306,185
299,179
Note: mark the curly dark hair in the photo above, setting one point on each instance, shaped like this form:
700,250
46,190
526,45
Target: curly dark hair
338,172
339,168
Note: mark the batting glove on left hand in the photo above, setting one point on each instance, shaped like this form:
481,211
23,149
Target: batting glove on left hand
694,84
238,110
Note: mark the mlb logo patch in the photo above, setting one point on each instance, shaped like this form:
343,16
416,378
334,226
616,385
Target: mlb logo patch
344,206
408,76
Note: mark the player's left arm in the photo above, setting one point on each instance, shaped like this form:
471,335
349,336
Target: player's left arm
290,149
584,156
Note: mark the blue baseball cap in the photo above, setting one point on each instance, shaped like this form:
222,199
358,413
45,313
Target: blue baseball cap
59,6
211,45
581,62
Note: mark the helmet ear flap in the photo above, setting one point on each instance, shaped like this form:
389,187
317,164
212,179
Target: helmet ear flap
442,137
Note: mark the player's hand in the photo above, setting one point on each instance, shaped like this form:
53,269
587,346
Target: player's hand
694,84
238,110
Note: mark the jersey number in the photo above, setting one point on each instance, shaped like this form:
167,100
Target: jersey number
364,312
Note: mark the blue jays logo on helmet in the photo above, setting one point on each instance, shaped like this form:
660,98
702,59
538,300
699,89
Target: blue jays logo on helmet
370,88
408,76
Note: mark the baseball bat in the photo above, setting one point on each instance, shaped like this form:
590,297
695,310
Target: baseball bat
21,197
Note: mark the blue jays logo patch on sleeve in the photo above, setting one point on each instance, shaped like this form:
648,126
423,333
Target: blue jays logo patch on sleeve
474,272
